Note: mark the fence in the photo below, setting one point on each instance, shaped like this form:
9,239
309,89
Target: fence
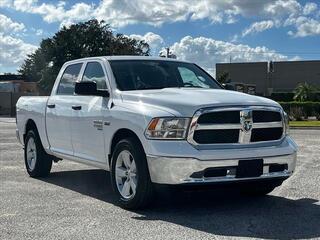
8,102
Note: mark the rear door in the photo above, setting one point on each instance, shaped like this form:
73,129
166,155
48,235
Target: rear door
88,122
59,111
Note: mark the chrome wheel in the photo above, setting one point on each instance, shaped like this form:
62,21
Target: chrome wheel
126,175
31,153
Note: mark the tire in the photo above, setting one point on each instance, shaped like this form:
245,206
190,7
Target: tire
38,162
128,169
259,189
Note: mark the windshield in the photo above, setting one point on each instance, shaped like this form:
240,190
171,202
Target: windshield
153,74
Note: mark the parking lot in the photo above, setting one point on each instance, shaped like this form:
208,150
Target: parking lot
76,202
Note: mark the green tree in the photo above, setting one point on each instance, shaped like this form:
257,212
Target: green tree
304,92
88,39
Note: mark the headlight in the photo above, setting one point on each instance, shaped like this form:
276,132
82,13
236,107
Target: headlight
168,128
286,123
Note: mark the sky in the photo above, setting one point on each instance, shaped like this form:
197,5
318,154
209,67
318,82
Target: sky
200,31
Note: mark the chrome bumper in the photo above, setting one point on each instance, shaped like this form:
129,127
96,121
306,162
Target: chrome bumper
167,170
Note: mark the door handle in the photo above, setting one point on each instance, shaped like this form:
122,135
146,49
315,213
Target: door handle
76,107
51,105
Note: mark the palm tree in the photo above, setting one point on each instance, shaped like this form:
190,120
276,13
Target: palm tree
223,78
304,92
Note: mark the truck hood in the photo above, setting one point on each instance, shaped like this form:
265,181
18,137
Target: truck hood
185,101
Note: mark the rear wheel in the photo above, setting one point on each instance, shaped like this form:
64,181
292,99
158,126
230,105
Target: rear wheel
38,162
130,176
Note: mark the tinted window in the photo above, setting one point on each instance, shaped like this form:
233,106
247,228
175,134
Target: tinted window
94,73
68,79
153,74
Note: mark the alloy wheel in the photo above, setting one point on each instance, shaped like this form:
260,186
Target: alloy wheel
126,174
31,154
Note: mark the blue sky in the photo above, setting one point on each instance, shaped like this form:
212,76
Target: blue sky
202,31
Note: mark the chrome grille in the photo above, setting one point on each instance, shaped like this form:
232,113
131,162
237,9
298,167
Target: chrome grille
219,117
237,125
216,136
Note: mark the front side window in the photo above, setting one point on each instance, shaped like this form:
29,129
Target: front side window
157,74
68,79
94,73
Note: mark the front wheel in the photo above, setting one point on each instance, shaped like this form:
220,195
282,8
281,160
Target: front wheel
38,162
130,176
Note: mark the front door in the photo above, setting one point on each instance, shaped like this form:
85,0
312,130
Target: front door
89,117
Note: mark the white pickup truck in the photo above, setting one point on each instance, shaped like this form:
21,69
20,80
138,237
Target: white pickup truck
155,121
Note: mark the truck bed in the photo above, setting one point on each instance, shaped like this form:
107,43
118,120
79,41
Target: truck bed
32,108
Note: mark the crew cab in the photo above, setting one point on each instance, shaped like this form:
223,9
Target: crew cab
154,121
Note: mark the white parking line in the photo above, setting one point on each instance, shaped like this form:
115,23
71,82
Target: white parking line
7,120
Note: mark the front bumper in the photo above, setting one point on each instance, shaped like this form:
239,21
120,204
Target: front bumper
184,170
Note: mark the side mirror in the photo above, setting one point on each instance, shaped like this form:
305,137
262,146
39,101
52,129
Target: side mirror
87,88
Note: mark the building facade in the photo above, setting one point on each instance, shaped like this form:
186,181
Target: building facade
12,87
272,77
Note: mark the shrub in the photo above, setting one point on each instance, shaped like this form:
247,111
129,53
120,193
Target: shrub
305,92
296,113
288,96
316,114
301,110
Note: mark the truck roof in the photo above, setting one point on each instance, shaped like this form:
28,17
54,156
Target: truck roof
125,58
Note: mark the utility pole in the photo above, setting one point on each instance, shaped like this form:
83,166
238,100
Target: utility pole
168,52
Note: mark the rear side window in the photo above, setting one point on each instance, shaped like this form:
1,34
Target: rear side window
94,73
68,79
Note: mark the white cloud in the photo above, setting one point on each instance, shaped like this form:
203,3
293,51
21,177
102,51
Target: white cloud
120,13
78,12
304,26
56,12
283,8
309,8
5,3
207,52
304,20
24,5
157,12
13,51
39,32
7,25
258,27
123,12
155,41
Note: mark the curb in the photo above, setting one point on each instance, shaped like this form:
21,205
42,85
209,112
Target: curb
306,128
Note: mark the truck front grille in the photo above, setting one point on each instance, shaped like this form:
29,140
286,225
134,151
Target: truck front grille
259,116
220,117
216,136
236,126
266,134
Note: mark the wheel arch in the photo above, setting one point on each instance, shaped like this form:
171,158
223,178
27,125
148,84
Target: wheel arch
30,125
120,134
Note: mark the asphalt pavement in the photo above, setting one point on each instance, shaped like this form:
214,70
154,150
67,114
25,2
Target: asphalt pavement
76,202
